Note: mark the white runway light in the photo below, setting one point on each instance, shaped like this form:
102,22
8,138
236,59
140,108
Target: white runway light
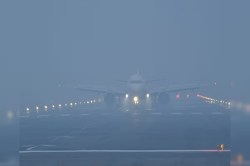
147,95
126,96
46,108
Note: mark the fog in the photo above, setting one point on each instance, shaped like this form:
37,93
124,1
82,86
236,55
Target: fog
47,43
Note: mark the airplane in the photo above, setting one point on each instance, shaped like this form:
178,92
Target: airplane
137,91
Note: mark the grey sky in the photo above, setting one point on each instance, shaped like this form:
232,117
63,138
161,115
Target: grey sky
44,43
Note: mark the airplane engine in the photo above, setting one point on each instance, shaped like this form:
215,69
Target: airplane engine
163,98
109,99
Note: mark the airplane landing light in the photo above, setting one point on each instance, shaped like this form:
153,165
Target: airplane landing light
136,100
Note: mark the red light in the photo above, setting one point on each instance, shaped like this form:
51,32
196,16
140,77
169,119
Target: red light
178,96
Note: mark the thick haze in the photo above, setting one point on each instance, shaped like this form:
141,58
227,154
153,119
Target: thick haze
46,43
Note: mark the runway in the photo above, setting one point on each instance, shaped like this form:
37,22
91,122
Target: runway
139,137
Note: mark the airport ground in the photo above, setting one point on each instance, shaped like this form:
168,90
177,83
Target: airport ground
240,137
187,136
9,138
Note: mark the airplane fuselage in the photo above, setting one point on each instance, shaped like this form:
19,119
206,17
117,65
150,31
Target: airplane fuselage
136,88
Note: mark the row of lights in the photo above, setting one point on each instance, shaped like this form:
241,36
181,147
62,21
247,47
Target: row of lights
228,104
215,101
135,98
127,96
46,107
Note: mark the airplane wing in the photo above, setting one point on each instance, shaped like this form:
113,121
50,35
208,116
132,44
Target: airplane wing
186,88
179,88
97,89
91,89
